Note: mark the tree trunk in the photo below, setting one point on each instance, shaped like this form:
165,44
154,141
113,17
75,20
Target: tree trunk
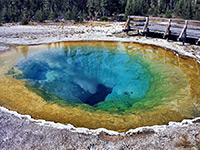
95,16
171,4
158,2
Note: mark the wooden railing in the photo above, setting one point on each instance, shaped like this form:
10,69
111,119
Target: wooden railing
178,27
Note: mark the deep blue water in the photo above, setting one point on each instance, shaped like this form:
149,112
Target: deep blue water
88,75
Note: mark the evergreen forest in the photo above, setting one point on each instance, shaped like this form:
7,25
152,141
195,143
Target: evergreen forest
78,10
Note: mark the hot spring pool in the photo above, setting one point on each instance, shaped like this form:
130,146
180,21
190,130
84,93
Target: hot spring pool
111,85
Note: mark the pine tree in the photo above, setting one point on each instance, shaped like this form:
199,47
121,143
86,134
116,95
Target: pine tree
128,8
155,12
14,10
67,15
1,19
40,16
178,8
52,15
94,7
196,12
5,16
139,7
187,10
46,9
153,3
161,6
143,7
134,7
74,14
24,20
122,5
104,6
168,13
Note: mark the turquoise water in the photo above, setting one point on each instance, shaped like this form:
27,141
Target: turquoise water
95,84
88,75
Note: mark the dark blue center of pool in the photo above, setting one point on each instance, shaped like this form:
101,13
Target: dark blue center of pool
89,75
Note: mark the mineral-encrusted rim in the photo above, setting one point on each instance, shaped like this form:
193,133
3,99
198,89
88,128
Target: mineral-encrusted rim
145,129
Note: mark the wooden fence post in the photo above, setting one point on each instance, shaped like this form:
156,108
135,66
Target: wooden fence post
198,41
167,31
145,28
127,26
183,34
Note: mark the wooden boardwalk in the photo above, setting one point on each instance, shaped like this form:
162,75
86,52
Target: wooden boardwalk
183,29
